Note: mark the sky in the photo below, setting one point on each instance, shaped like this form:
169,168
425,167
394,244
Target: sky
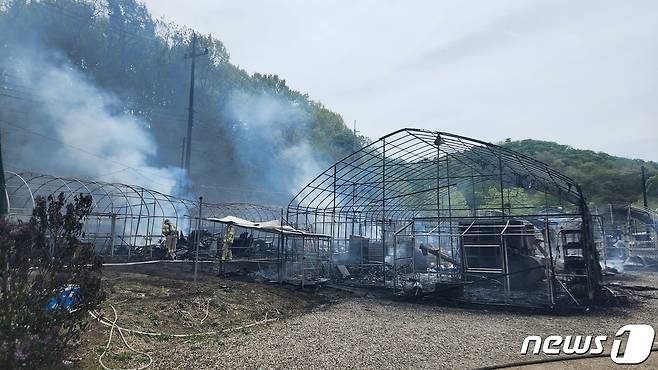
580,73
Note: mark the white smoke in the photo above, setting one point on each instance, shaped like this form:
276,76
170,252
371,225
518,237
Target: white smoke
97,140
274,132
306,166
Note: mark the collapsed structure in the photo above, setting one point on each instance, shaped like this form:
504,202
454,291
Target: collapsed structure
417,212
423,211
631,236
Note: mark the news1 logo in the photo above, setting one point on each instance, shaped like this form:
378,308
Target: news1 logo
637,349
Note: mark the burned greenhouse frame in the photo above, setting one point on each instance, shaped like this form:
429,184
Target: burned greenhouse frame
126,220
631,236
421,212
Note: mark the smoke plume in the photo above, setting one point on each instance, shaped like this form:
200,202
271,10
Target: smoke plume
273,136
77,129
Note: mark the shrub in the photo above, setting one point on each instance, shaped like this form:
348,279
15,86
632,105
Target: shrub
38,260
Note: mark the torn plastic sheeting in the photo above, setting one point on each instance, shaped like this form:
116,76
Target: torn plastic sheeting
273,226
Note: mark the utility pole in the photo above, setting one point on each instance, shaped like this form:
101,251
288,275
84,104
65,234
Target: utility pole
190,117
4,207
181,177
644,187
196,239
182,153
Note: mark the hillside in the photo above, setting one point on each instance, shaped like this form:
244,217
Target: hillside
99,89
604,178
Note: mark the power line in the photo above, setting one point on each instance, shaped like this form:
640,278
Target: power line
221,188
143,110
159,116
4,204
8,95
135,170
243,190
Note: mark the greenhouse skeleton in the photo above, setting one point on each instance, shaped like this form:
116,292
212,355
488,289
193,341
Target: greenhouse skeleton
420,211
417,211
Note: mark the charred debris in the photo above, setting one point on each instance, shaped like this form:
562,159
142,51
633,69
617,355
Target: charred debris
414,213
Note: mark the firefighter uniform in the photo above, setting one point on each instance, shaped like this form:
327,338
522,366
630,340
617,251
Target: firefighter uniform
171,237
227,255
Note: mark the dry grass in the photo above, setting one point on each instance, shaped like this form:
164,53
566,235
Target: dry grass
170,303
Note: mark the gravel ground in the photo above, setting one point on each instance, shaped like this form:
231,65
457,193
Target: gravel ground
363,333
371,333
378,333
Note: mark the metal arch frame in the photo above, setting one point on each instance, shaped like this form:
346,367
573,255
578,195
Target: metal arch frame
27,186
636,211
48,181
408,175
320,197
83,185
150,224
142,203
263,213
33,191
99,209
371,190
64,184
110,199
118,187
101,187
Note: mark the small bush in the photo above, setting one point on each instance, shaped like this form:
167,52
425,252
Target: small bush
38,259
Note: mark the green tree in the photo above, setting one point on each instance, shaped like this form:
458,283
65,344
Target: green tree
604,178
120,47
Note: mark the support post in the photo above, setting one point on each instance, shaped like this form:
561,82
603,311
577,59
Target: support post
384,211
113,233
551,268
502,187
139,218
644,187
333,222
395,260
503,242
4,199
413,246
438,205
605,241
473,205
503,239
279,250
589,248
153,226
450,226
147,236
353,205
303,259
196,240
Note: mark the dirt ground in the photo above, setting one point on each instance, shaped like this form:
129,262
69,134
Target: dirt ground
327,329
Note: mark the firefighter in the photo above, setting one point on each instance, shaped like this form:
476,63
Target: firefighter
171,237
227,255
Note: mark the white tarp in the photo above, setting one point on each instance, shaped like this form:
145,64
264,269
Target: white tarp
273,226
